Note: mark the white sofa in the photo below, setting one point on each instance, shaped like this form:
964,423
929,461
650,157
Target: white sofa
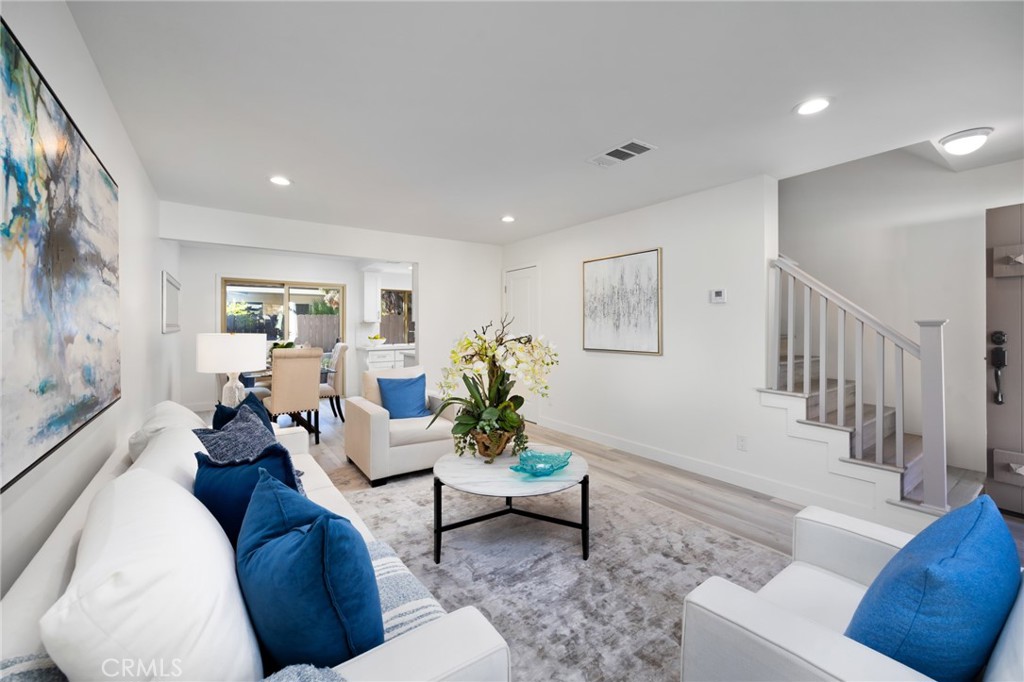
383,447
792,629
461,645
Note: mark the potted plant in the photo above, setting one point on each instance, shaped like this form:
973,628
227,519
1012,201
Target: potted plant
488,363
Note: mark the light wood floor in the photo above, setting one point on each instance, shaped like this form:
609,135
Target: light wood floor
748,514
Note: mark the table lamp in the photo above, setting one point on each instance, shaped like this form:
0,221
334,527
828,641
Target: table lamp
231,354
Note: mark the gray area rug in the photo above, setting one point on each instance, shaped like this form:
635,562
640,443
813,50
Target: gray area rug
617,616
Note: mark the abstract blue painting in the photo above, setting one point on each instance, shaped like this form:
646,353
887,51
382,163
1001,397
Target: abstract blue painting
61,362
622,303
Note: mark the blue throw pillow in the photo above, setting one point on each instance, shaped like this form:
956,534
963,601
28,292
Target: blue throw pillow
223,414
241,439
939,604
226,487
404,398
307,579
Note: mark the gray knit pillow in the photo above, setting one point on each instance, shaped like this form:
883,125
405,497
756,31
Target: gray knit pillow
241,440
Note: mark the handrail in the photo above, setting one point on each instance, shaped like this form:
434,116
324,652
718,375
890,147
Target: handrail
849,306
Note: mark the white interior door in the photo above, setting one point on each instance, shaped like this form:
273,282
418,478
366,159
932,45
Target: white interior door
522,304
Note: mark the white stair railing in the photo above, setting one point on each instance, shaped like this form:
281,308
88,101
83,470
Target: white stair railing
787,281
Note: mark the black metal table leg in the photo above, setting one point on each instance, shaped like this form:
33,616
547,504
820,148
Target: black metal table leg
437,520
585,515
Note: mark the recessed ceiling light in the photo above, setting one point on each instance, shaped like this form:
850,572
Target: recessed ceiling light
508,219
813,106
966,141
280,180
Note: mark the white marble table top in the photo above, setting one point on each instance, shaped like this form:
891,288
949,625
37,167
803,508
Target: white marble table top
473,475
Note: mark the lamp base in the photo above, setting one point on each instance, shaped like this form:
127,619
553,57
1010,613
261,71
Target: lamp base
234,392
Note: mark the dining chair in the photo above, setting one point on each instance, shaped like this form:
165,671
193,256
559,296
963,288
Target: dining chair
334,388
296,387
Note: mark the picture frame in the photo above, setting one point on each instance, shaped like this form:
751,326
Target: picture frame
622,303
61,365
170,289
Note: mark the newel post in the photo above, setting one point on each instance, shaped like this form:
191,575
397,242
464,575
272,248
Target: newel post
933,412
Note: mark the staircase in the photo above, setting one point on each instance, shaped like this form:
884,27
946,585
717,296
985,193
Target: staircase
833,333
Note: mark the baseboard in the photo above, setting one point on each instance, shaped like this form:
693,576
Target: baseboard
766,486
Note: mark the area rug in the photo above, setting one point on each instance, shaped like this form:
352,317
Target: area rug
616,617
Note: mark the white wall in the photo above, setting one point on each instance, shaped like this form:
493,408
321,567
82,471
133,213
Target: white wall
687,406
457,284
202,269
149,360
905,239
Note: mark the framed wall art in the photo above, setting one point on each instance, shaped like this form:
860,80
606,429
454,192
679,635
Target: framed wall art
60,312
622,303
170,290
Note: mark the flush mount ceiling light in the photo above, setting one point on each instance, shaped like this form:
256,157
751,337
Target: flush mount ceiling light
813,106
508,219
966,141
280,180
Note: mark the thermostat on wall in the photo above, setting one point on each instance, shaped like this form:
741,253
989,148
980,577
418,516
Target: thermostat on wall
716,296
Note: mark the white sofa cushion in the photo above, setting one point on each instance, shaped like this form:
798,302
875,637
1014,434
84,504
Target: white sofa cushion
371,389
814,593
414,430
154,589
161,416
171,454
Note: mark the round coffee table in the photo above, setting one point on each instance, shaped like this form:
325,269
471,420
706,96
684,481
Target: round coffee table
473,475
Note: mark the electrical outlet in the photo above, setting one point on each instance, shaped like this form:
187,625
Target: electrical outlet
741,443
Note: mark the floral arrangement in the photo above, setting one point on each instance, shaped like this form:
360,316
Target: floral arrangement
489,362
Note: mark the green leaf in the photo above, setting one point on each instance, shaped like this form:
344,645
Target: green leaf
462,429
490,414
474,390
517,401
466,418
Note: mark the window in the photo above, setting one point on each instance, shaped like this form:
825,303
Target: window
306,313
396,323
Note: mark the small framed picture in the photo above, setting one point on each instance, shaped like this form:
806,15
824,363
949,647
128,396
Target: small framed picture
171,290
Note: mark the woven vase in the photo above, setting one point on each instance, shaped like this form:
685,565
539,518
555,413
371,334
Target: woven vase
490,445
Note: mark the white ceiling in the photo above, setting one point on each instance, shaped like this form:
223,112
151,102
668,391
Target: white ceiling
439,118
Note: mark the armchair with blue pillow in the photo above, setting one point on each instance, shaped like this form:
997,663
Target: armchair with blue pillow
861,601
388,431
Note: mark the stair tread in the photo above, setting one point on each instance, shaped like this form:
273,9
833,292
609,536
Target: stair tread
849,416
962,487
913,449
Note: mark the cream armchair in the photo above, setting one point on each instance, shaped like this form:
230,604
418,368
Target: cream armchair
792,628
383,447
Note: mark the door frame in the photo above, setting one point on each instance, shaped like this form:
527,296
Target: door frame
504,311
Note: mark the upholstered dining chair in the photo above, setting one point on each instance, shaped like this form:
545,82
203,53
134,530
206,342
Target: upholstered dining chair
334,389
296,387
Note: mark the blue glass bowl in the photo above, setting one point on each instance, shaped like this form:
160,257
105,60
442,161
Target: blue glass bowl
536,463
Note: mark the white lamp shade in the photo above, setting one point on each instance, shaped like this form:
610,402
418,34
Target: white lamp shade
216,353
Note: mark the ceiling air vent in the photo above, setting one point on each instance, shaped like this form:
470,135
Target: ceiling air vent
624,152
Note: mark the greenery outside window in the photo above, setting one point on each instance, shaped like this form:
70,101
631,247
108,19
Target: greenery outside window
306,313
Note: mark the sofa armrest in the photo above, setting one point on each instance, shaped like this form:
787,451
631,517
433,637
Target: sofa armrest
295,439
729,633
461,646
367,438
434,401
848,546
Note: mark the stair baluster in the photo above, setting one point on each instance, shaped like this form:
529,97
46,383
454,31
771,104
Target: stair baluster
929,464
823,361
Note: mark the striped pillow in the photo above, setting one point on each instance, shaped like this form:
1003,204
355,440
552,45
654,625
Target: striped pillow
404,602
